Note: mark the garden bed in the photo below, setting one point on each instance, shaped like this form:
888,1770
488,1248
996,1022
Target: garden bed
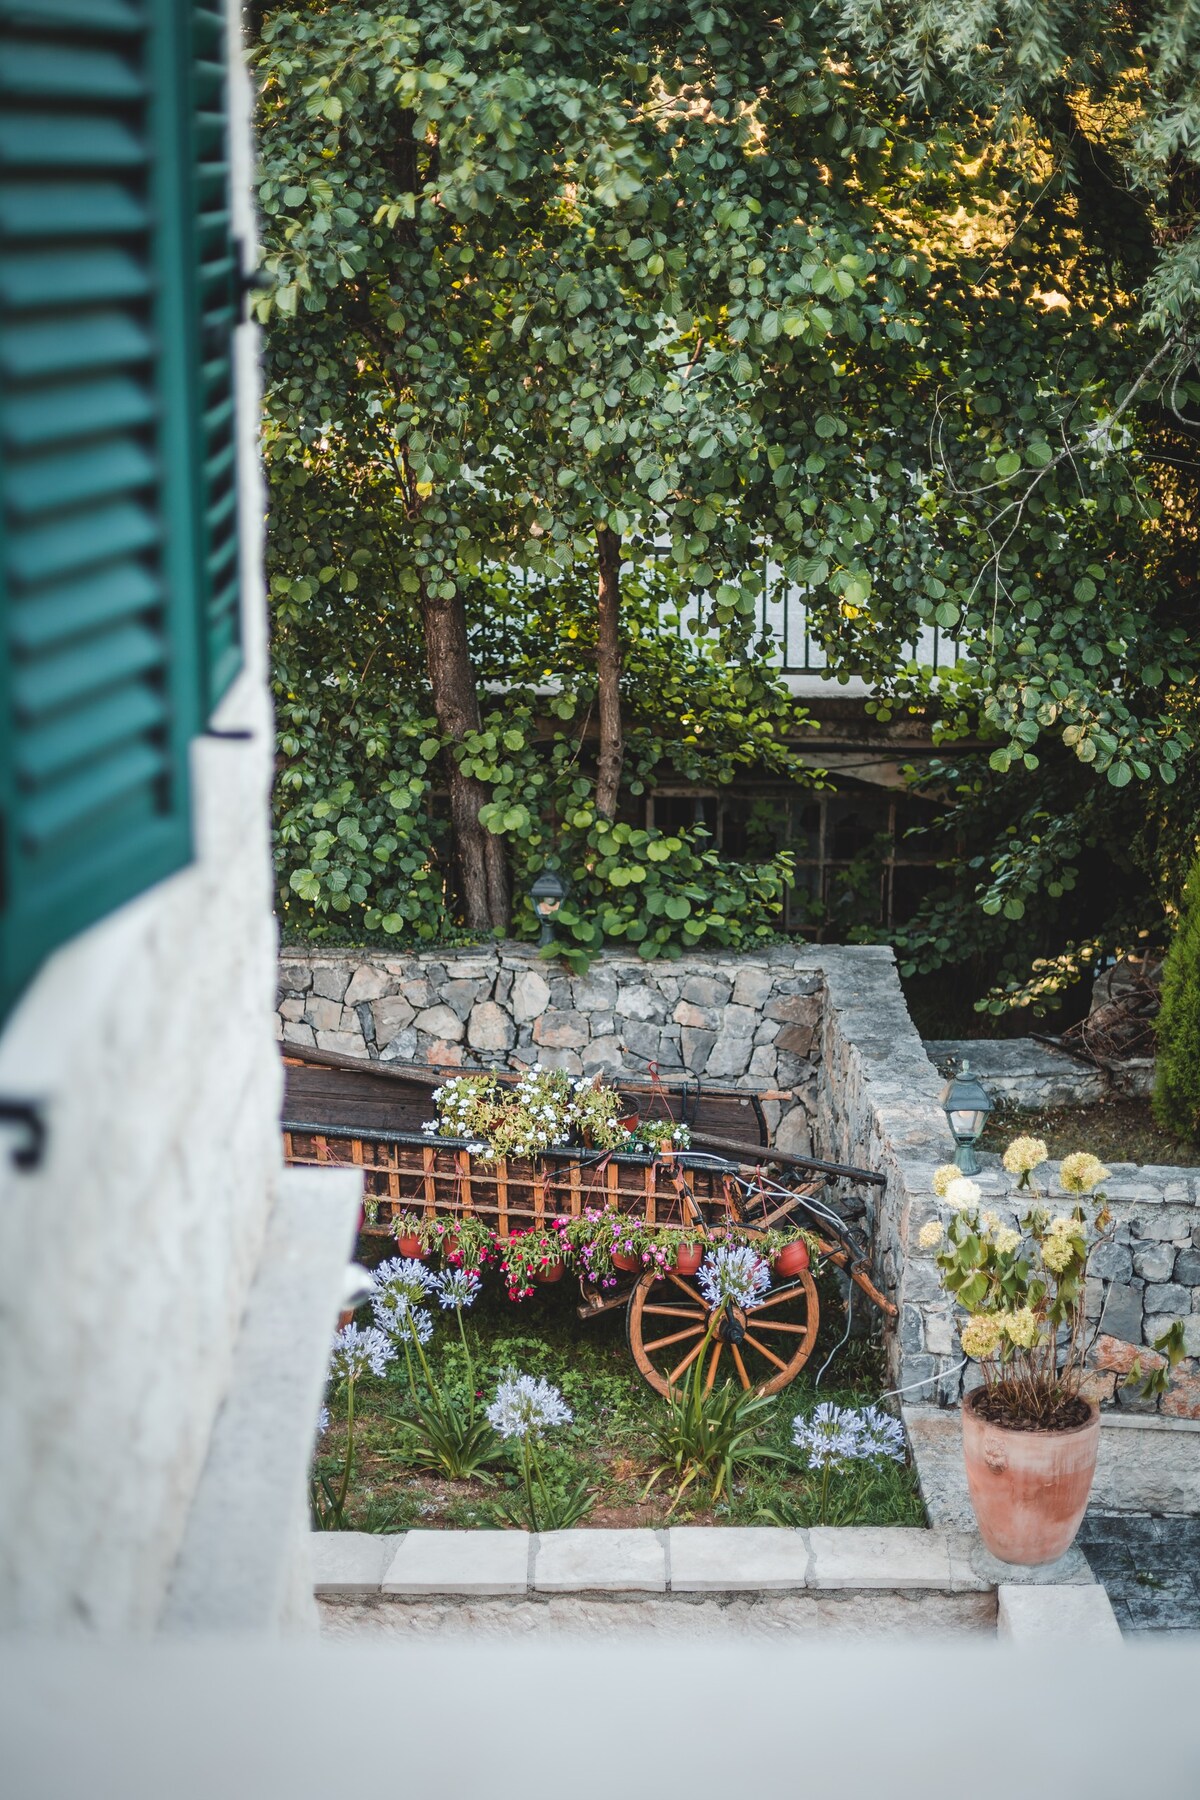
1116,1130
610,1441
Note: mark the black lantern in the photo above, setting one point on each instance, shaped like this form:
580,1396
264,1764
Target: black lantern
547,893
966,1105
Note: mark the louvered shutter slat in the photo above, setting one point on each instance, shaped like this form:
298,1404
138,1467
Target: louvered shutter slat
98,541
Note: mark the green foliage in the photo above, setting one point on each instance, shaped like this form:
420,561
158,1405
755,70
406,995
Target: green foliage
1177,1070
710,1434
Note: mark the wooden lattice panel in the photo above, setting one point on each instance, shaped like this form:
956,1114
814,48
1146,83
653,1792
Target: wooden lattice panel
513,1194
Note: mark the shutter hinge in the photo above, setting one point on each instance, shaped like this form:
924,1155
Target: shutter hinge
28,1115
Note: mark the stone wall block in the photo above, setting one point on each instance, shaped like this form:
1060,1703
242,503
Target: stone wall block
490,1028
330,980
1112,1262
460,996
603,1056
530,996
401,1048
440,1022
752,986
420,993
705,990
1152,1260
763,1062
292,1007
642,1003
594,993
696,1047
366,1022
796,1038
1187,1268
295,977
367,983
441,1052
700,1018
568,1060
738,1021
561,1031
728,1058
795,1009
345,1043
1167,1297
1123,1312
323,1014
390,1017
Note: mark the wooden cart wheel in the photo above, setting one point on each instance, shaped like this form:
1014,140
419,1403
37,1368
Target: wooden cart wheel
763,1349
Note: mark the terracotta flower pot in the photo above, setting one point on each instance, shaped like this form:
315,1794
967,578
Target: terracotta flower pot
1029,1488
628,1265
551,1271
410,1246
448,1246
792,1259
345,1318
688,1258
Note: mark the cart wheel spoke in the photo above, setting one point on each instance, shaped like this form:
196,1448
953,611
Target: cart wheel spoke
779,1298
739,1365
676,1337
763,1351
718,1346
681,1283
778,1325
687,1362
677,1312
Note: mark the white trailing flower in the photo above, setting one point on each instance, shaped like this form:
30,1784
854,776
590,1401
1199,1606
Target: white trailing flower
359,1351
527,1405
733,1272
458,1287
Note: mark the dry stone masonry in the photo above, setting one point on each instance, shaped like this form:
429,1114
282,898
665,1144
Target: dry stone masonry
823,1033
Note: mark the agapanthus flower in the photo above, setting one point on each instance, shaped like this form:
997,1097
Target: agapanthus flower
930,1235
402,1278
323,1421
1024,1155
879,1434
405,1323
458,1287
962,1193
1081,1172
828,1436
358,1351
527,1405
733,1272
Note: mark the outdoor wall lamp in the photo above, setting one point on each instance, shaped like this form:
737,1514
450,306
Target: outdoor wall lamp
966,1105
547,893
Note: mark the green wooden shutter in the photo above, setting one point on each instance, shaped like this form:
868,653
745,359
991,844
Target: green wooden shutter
218,283
98,604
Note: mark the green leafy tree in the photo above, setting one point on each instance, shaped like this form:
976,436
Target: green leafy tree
1177,1072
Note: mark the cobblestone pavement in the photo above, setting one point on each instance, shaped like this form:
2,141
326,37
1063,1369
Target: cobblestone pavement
1150,1567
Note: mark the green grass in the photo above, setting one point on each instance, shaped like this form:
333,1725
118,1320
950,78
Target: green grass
610,1444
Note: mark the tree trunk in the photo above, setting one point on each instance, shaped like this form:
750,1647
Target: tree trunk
608,669
482,867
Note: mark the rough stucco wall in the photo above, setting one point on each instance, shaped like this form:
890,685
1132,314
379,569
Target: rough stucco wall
126,1259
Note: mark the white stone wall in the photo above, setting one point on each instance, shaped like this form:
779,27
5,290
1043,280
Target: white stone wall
126,1259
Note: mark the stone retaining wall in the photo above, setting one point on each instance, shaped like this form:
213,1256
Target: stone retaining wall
1024,1072
822,1031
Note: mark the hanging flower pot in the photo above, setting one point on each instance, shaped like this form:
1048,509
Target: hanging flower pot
448,1245
551,1271
688,1258
791,1260
628,1265
411,1246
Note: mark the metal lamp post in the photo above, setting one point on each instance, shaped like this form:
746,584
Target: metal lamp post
966,1105
547,894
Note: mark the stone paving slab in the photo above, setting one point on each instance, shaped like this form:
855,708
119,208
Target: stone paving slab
1037,1615
730,1559
600,1562
1150,1568
350,1563
879,1556
459,1562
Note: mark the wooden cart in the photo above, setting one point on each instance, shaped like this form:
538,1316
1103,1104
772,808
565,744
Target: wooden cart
369,1115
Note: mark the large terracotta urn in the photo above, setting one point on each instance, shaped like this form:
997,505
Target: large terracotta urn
1029,1488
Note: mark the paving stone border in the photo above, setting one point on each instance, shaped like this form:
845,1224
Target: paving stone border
416,1565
